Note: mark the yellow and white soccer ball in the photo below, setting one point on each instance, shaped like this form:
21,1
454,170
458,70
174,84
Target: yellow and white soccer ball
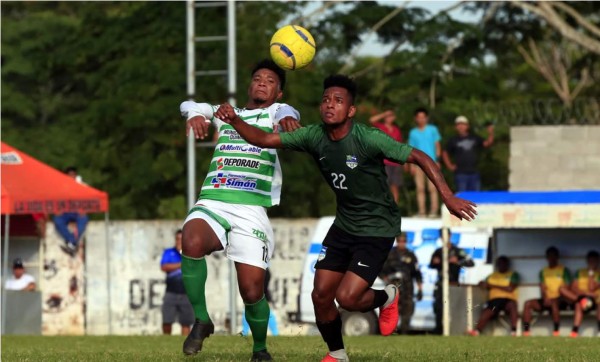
292,47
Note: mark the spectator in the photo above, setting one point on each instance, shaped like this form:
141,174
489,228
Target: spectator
402,268
61,221
20,280
502,286
385,122
464,148
272,319
457,258
426,138
176,305
555,280
586,286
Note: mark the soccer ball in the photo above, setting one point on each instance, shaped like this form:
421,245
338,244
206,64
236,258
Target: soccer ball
292,47
587,304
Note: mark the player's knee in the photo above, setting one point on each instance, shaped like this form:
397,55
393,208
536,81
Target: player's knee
321,297
346,300
193,245
251,295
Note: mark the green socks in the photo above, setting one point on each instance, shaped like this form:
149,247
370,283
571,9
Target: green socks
194,274
257,315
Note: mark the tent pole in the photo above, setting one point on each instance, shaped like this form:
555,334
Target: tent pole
445,283
108,280
6,234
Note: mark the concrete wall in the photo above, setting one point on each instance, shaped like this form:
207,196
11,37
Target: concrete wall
137,284
554,158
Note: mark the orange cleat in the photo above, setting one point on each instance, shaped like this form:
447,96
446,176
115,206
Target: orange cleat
574,334
555,333
330,358
473,333
388,316
526,333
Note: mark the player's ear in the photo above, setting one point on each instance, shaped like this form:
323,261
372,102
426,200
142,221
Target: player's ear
279,94
351,111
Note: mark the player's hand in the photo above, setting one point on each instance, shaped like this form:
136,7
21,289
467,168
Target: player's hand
199,125
289,124
226,113
461,208
419,295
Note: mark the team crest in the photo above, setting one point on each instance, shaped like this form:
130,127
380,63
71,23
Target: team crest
351,161
322,253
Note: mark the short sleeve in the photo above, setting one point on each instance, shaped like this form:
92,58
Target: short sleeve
281,110
303,139
436,134
567,276
515,278
385,145
169,257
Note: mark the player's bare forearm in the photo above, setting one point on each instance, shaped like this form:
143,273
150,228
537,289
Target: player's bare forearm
463,209
253,135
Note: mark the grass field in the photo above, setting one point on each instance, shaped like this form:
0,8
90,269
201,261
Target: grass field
305,349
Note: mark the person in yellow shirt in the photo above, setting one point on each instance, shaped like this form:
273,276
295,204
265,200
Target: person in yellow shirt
502,286
555,281
587,287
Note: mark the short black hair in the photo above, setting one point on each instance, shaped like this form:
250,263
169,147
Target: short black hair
552,250
270,65
421,110
593,254
178,231
342,81
504,259
71,169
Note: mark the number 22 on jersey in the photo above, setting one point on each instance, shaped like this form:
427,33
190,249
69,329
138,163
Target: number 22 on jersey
338,181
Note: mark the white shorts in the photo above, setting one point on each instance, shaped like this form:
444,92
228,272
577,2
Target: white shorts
244,230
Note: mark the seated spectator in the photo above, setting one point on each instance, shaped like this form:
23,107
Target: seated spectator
385,122
502,285
586,286
20,280
61,221
555,281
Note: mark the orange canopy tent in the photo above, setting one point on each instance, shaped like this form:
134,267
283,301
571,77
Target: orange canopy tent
29,186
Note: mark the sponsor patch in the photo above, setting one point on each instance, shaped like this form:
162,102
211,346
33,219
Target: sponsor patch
237,162
260,235
241,148
233,135
232,181
351,161
322,253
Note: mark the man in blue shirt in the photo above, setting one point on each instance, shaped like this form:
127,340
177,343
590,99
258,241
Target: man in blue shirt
426,138
176,305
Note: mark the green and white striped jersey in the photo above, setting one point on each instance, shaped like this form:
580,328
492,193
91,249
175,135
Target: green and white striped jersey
241,173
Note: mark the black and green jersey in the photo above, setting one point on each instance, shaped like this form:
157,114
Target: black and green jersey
353,168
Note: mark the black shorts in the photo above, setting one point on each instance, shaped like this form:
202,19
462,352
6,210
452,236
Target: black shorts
563,304
497,305
362,255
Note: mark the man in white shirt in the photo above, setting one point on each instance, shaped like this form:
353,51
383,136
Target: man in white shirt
20,280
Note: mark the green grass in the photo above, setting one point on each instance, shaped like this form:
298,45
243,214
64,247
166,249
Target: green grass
304,349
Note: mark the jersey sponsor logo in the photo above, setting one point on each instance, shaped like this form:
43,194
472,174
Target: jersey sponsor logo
351,161
241,148
233,135
237,162
232,181
322,253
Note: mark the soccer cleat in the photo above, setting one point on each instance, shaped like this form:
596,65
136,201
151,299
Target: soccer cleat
330,358
555,333
526,333
574,334
200,331
473,332
261,356
388,316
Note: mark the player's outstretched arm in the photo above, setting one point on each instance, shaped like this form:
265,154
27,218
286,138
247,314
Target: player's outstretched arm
463,209
251,134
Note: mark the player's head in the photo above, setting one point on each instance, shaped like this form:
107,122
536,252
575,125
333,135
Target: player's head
421,117
401,241
503,264
461,123
18,268
178,239
267,82
71,171
337,104
389,118
552,255
593,259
